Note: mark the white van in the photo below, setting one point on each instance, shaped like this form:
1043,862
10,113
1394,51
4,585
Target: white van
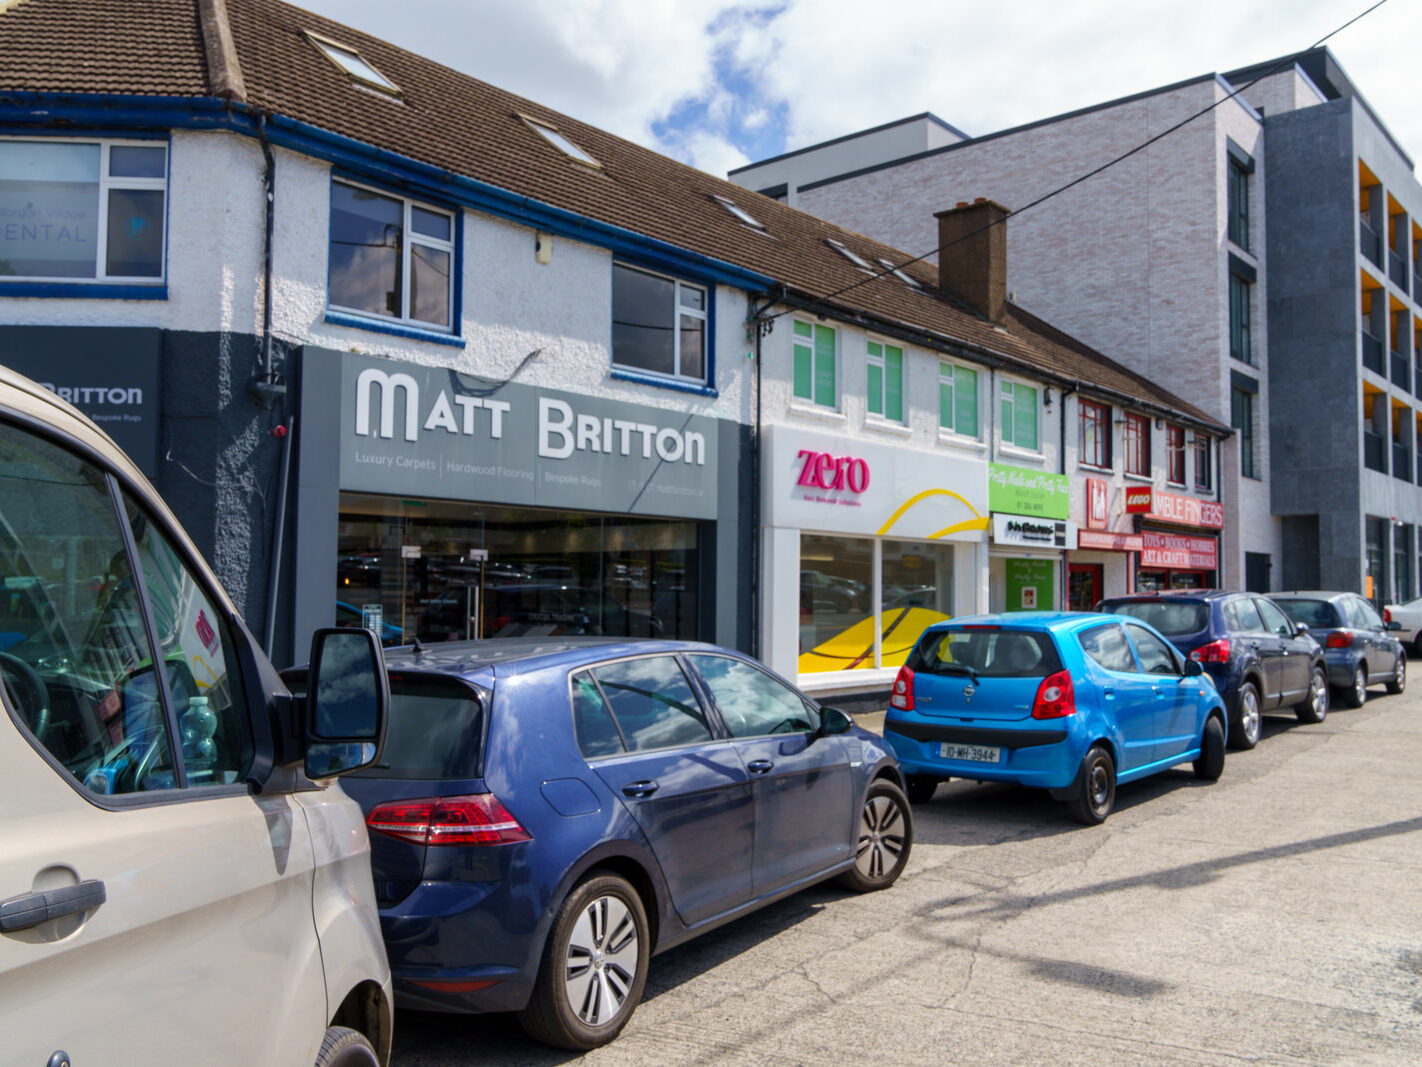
180,879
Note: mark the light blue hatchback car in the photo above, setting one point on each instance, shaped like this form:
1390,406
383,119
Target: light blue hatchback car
1071,702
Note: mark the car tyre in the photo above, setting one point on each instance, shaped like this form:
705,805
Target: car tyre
1314,708
881,849
1249,718
1356,695
593,969
921,787
1211,763
344,1047
1398,681
1095,791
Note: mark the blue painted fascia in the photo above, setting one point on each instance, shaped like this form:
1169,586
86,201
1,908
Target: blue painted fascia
64,113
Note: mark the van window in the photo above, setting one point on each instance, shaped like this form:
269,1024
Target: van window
991,653
75,662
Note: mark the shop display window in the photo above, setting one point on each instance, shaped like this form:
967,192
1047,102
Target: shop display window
839,627
410,568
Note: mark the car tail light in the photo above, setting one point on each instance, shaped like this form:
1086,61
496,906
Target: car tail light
902,696
1056,699
473,820
1214,652
1387,614
1339,639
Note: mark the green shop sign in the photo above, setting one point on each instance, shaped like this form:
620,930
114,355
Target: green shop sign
1029,585
1019,491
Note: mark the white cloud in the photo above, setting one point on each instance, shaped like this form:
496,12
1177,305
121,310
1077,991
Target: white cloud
831,67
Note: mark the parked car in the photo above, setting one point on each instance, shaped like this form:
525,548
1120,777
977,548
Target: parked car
1259,659
1070,702
551,812
180,881
1408,617
1361,649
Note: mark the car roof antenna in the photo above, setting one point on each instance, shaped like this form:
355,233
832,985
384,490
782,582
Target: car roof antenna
419,649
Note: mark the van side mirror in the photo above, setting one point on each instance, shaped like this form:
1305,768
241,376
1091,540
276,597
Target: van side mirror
347,702
1193,668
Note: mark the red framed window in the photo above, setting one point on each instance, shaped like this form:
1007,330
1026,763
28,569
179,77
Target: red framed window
1095,434
1175,454
1135,436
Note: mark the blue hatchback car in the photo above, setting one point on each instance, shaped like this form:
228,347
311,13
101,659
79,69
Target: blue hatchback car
1072,702
548,813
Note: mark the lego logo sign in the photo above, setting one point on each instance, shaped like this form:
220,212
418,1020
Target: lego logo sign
820,470
1138,500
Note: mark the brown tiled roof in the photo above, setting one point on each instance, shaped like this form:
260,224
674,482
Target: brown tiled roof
449,120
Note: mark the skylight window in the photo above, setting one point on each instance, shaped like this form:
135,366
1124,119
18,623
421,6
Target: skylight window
558,141
745,216
350,61
900,275
859,262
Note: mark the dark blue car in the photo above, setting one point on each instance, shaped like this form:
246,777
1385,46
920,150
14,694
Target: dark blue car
549,813
1071,702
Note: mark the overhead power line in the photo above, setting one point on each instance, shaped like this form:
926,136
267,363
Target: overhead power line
1282,64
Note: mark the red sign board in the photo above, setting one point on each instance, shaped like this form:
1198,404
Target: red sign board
1110,542
1097,515
1179,552
1138,499
1185,510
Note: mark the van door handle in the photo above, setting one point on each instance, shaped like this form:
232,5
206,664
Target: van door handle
29,910
640,789
760,766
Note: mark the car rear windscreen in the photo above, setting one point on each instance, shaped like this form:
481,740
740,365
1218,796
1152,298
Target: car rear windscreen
991,653
436,731
1315,614
1170,617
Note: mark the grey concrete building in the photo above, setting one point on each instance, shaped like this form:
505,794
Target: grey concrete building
1167,262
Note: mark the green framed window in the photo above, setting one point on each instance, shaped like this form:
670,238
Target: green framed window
1019,415
816,348
958,399
885,387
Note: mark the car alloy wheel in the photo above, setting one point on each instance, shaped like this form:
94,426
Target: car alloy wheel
1360,687
1398,682
881,848
1251,718
601,963
1314,709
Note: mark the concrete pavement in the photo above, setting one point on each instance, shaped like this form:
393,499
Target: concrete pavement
1273,916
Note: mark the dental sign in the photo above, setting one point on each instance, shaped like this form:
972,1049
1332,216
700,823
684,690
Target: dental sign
410,430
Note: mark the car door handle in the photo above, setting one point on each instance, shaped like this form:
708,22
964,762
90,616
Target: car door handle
640,789
760,766
1108,692
29,910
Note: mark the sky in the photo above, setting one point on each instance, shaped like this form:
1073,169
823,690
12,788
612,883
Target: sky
720,84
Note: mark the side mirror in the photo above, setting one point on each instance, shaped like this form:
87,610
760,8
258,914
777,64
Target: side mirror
347,702
1193,668
1394,625
833,721
1301,629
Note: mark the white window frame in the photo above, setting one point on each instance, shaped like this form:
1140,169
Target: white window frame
948,372
678,310
410,239
349,61
881,361
796,342
1008,393
106,185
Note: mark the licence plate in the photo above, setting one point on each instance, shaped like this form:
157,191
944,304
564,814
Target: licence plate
972,753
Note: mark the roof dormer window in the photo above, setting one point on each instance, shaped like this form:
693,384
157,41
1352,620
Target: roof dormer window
351,61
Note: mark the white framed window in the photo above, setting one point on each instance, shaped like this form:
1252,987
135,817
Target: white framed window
83,210
958,399
659,324
391,258
884,389
816,359
561,142
1019,415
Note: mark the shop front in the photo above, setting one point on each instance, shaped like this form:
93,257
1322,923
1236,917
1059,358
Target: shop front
466,509
1180,540
1030,537
1100,566
865,545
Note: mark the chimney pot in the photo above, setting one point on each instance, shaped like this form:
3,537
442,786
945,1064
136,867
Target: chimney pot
962,203
972,255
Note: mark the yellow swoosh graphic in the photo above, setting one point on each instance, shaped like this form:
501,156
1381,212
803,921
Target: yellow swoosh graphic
978,523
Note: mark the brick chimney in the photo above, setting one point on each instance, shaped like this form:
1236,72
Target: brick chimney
972,257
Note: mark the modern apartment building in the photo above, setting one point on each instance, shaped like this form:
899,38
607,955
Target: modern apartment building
1219,261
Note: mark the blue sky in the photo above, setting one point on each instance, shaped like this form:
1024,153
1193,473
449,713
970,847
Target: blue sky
718,84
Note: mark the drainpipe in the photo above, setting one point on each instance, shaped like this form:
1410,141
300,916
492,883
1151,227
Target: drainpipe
282,430
1061,469
266,386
